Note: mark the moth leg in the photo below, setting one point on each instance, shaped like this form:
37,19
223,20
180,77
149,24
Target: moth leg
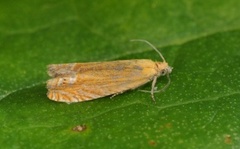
145,91
115,94
166,86
153,88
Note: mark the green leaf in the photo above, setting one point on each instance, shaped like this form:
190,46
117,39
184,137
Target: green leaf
200,39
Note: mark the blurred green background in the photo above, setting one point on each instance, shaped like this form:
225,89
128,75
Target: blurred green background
200,39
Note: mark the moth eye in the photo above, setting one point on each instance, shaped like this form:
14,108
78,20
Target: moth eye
163,72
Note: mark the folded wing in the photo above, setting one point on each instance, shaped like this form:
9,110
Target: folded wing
86,81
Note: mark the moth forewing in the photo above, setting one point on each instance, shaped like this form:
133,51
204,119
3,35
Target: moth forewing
87,81
76,82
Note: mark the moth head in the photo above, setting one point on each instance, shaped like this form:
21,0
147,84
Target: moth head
163,68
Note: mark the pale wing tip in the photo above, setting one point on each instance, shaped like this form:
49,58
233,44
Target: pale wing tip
51,69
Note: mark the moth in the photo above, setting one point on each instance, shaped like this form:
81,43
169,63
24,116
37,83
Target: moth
78,82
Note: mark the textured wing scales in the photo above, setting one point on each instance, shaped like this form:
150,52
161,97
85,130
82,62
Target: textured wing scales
78,82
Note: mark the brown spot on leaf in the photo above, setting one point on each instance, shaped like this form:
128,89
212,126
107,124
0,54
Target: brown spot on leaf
228,139
152,143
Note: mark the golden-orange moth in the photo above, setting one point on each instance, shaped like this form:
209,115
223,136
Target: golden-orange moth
77,82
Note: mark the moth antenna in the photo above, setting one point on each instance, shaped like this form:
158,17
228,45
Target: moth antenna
142,40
